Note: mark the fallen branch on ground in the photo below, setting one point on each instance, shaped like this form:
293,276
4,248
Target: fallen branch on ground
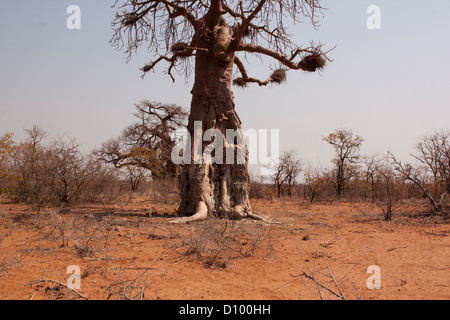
59,284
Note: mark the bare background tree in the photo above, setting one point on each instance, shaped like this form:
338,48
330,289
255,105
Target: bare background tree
145,146
387,194
431,171
7,145
368,174
69,168
215,32
33,170
57,173
316,180
346,146
286,173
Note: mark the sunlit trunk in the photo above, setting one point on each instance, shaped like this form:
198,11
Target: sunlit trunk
214,189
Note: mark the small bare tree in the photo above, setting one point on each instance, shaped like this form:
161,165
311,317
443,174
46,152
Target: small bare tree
346,146
70,170
286,172
368,172
32,169
55,173
257,187
101,183
35,136
387,194
316,179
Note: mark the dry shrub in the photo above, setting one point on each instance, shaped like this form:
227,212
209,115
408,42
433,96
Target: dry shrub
261,190
320,281
59,173
9,258
89,235
54,290
218,241
55,227
102,184
128,284
86,234
164,191
4,232
10,261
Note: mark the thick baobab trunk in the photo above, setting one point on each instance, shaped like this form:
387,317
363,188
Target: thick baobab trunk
215,189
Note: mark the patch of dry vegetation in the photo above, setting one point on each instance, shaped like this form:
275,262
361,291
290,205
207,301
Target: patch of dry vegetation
218,241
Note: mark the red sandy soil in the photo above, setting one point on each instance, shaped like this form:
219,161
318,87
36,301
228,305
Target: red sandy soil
143,252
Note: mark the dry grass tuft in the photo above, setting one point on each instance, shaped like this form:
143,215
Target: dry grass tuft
217,242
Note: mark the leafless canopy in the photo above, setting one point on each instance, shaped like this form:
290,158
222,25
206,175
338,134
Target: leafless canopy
431,172
169,30
346,146
286,172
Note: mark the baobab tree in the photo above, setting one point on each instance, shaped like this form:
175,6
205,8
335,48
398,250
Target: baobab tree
216,33
146,145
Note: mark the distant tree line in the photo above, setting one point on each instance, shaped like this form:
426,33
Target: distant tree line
381,179
42,172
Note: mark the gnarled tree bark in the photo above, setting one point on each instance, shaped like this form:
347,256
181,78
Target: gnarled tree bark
214,189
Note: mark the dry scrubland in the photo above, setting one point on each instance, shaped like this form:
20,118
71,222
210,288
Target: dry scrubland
131,250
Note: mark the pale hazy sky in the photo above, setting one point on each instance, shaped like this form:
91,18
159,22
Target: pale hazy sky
390,85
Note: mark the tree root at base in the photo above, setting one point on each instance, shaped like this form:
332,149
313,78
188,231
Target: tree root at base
202,214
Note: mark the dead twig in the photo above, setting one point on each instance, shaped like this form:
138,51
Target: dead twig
323,278
319,285
59,284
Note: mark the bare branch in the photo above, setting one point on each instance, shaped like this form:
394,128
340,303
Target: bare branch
159,22
315,58
153,22
59,284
